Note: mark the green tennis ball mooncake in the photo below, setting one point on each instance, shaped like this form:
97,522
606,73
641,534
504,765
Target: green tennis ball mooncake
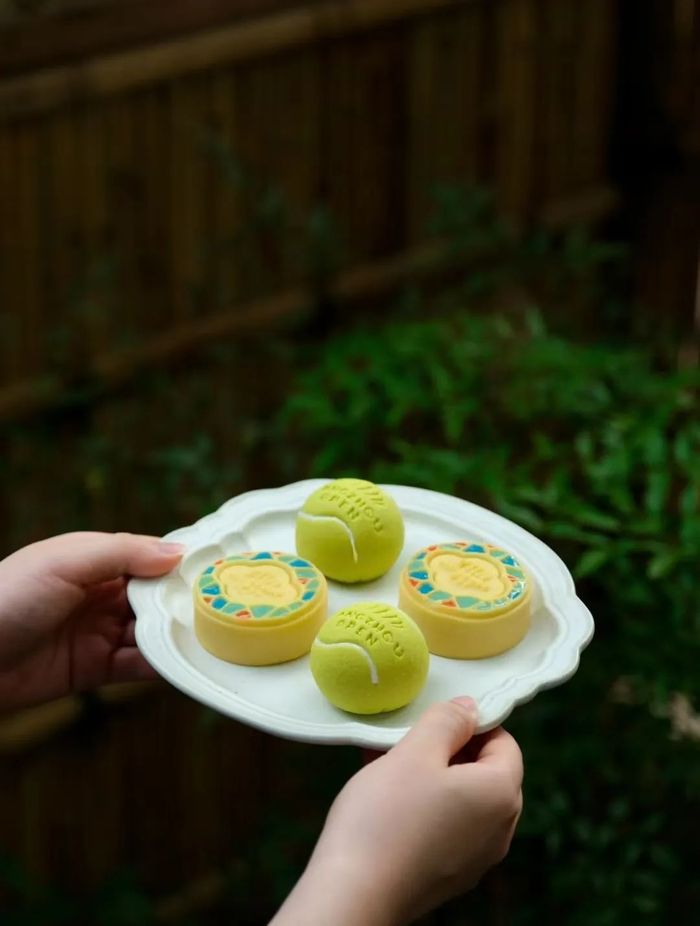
351,530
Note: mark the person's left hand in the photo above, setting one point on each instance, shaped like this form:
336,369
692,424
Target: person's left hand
65,621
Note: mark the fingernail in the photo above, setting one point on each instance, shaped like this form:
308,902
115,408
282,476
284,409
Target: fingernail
170,549
469,704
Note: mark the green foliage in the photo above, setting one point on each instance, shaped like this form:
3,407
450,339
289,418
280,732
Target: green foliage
595,449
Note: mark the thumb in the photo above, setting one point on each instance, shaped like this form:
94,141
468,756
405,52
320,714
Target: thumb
86,558
442,730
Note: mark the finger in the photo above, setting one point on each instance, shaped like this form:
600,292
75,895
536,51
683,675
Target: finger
500,751
129,638
442,730
128,665
470,752
86,558
109,592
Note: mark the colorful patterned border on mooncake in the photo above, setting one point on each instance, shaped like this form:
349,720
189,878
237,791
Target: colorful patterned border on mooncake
419,577
304,572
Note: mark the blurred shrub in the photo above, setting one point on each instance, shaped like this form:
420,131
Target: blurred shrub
595,449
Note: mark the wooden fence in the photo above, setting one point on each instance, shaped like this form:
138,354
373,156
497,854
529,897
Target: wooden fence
150,153
129,163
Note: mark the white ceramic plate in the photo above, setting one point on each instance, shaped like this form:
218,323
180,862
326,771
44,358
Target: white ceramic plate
283,699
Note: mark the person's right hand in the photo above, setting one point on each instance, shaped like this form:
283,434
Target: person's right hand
413,828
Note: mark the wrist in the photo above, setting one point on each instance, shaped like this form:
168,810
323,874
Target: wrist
343,892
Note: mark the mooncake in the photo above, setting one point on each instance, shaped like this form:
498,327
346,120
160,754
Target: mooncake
259,608
470,599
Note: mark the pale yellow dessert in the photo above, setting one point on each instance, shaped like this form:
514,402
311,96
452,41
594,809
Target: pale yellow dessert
257,609
470,599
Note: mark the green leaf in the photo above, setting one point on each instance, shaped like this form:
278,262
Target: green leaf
521,514
591,561
689,501
535,322
567,531
663,563
591,517
657,490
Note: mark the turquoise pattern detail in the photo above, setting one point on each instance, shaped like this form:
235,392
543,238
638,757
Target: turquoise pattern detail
208,585
417,571
260,610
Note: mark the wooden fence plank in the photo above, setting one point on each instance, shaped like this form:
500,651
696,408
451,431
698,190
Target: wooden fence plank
445,109
556,26
516,63
224,261
594,86
6,277
188,124
9,280
120,73
122,141
29,358
363,113
29,41
95,223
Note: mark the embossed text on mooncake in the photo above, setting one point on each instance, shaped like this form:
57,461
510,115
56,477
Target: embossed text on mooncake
258,584
462,575
373,627
354,504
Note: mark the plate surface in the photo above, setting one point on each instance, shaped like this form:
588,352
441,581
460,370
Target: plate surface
283,699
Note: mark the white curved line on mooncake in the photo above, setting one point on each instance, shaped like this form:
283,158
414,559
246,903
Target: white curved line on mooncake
330,517
373,674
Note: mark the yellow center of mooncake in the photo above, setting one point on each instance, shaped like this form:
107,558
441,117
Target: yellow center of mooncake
469,576
264,584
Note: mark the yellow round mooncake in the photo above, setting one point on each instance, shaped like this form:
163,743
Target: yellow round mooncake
257,609
470,599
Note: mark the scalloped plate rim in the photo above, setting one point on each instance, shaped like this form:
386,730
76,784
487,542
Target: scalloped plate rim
562,662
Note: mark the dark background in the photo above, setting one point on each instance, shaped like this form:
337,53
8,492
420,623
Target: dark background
449,244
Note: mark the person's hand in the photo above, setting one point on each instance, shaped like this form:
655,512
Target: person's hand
65,622
415,827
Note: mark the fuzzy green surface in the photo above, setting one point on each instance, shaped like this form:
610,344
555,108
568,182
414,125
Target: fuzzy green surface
370,658
351,530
